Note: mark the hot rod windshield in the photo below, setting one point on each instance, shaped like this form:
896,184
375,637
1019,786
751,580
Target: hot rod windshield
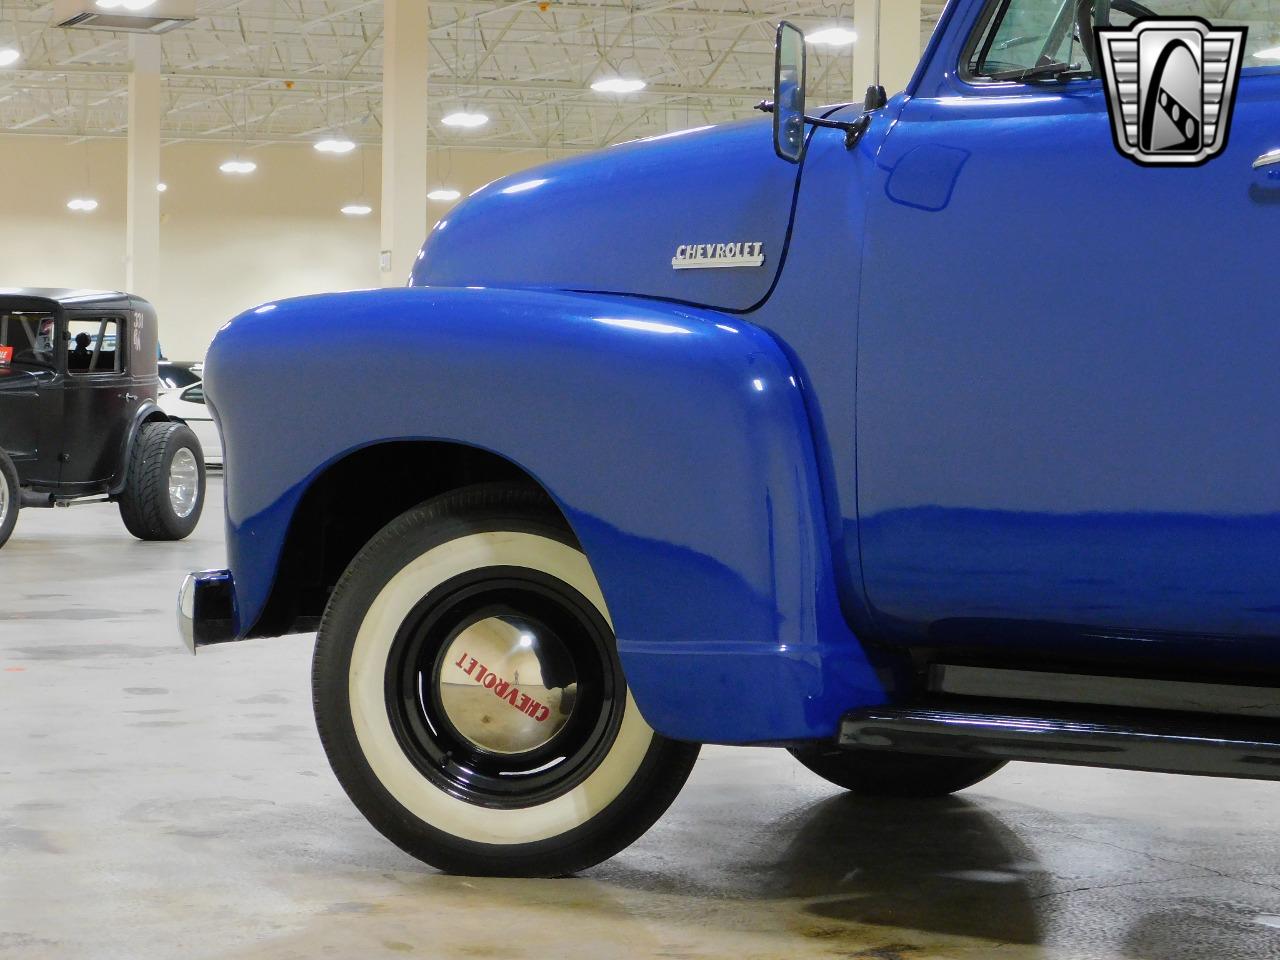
1022,36
26,338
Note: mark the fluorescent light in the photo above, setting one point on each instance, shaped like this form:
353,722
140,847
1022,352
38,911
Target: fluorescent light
82,204
9,56
125,4
443,194
832,37
462,118
161,187
617,85
335,146
1271,53
357,209
238,166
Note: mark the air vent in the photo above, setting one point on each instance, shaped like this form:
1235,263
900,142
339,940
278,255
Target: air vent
160,17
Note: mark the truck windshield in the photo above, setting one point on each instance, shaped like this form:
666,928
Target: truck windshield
1025,38
26,338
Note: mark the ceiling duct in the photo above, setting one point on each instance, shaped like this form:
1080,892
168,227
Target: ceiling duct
159,16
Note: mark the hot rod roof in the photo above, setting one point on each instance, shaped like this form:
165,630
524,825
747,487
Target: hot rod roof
66,296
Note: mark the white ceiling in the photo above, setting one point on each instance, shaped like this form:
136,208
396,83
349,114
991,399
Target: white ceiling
269,71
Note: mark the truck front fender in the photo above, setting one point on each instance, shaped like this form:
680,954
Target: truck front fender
674,440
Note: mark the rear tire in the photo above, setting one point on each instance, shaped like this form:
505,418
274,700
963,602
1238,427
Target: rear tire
10,497
877,773
469,697
164,490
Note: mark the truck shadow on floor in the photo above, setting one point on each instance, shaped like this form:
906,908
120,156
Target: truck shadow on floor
943,873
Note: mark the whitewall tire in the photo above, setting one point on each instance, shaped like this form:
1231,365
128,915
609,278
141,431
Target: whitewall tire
469,696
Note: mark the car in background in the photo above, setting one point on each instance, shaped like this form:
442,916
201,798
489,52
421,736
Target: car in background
178,374
187,405
78,416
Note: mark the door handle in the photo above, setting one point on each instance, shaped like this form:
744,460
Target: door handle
1269,159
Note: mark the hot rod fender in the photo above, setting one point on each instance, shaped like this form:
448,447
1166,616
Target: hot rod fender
674,440
148,410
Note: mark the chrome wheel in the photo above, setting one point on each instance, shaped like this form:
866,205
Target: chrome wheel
184,483
7,497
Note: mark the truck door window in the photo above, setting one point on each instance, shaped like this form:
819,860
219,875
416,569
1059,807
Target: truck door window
26,339
1020,35
94,346
1024,34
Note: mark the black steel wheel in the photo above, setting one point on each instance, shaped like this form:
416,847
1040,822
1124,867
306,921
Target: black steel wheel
470,699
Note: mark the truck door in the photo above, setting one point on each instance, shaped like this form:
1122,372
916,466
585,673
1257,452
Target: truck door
1069,364
97,398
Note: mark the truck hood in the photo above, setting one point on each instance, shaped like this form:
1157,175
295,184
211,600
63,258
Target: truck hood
699,216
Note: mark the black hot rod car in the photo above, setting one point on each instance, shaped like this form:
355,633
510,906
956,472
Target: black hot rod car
78,414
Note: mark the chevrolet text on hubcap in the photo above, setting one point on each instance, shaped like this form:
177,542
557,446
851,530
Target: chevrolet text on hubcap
184,483
496,684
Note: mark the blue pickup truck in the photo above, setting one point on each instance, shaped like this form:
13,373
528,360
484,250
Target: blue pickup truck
913,437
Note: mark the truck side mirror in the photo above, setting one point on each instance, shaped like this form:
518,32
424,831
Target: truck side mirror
788,93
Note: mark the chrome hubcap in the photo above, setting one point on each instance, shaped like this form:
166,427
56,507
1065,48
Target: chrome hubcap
5,498
494,689
184,482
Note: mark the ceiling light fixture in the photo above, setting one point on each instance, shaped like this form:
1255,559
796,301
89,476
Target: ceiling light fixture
82,204
618,85
338,145
161,187
9,56
125,4
464,118
832,37
238,166
443,194
357,209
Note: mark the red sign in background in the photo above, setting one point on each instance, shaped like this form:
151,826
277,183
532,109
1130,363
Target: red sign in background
6,356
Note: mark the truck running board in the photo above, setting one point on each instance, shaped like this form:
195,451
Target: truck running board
1137,740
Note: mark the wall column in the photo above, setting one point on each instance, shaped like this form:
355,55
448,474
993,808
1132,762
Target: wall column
899,43
142,200
404,137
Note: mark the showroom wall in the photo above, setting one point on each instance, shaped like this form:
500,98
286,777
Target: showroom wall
226,243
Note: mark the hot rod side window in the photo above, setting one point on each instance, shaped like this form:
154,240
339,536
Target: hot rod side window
94,346
26,339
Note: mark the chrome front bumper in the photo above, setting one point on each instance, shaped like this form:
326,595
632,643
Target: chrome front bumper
206,609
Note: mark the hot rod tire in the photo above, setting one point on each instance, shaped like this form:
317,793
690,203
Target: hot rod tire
468,693
10,497
164,490
876,773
